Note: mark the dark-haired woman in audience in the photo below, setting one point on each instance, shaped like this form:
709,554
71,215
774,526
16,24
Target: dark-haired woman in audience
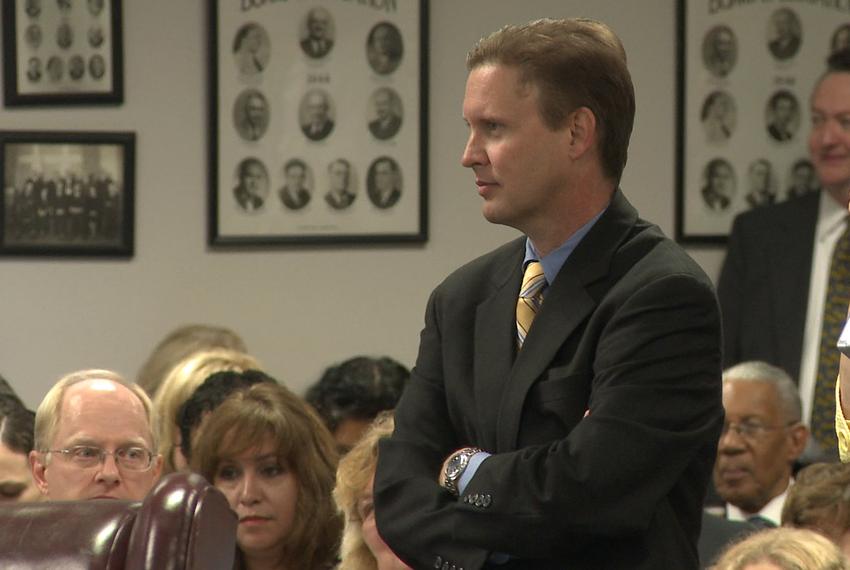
16,440
269,453
362,546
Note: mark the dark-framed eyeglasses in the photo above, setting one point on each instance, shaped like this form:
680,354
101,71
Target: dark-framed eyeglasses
85,456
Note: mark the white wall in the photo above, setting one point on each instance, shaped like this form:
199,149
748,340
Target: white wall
61,315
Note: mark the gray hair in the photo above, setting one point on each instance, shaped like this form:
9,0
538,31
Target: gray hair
759,371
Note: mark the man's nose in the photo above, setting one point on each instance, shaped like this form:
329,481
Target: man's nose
473,154
108,470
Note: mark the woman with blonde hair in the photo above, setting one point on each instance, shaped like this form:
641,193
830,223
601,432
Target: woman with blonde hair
179,385
274,459
362,547
783,549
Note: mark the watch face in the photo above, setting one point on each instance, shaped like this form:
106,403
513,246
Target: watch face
455,466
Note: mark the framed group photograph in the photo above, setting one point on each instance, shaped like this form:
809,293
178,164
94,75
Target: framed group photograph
62,52
67,193
746,70
317,122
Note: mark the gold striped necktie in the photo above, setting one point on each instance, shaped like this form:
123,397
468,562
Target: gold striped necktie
530,299
834,314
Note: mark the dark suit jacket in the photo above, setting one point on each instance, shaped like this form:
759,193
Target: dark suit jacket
717,534
324,130
629,331
764,283
384,130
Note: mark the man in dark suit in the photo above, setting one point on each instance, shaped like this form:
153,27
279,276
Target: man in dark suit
784,116
387,120
585,440
253,186
318,41
295,194
773,282
317,122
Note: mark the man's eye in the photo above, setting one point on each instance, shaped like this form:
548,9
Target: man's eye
84,452
133,453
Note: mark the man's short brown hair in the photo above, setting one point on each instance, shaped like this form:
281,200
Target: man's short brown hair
574,63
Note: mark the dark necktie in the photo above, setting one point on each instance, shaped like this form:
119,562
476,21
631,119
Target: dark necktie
760,522
834,314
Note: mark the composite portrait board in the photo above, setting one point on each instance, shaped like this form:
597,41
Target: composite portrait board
317,121
746,70
62,52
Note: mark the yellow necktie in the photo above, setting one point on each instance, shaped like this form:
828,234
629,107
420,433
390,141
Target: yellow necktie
834,314
530,299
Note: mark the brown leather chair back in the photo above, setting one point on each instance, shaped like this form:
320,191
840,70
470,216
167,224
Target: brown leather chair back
183,523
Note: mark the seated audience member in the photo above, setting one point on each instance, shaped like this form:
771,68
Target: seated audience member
95,438
762,437
350,395
783,549
179,384
216,388
269,453
6,392
819,500
362,547
16,437
179,344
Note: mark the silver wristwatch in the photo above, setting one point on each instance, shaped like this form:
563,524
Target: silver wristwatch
456,466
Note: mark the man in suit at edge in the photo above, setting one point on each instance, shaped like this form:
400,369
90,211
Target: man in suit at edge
591,445
770,311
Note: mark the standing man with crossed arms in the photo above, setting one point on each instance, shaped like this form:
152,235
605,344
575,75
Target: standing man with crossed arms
585,440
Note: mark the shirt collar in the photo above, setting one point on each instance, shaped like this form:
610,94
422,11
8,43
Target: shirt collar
831,216
772,511
553,262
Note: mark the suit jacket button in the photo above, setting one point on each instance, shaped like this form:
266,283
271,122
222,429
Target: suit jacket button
487,500
438,562
479,501
445,566
454,567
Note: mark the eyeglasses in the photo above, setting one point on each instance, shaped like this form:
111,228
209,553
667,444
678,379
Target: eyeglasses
751,430
130,458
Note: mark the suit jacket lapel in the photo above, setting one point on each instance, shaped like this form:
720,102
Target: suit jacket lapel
567,304
791,267
495,343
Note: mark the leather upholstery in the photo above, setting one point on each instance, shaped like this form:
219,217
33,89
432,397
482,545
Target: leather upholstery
183,523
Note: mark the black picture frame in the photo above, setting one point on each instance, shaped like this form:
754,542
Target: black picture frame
62,52
67,193
745,74
318,100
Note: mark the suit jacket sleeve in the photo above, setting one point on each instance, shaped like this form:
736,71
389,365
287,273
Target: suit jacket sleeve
653,367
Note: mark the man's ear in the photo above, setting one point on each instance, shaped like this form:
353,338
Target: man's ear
581,127
38,468
798,435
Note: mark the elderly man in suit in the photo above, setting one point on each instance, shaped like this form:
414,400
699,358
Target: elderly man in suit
773,284
584,440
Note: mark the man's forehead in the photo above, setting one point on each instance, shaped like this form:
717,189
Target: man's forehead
101,399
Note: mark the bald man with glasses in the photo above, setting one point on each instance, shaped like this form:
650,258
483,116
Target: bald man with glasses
94,439
762,437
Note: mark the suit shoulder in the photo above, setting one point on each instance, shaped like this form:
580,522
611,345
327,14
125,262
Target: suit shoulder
486,269
650,253
790,211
